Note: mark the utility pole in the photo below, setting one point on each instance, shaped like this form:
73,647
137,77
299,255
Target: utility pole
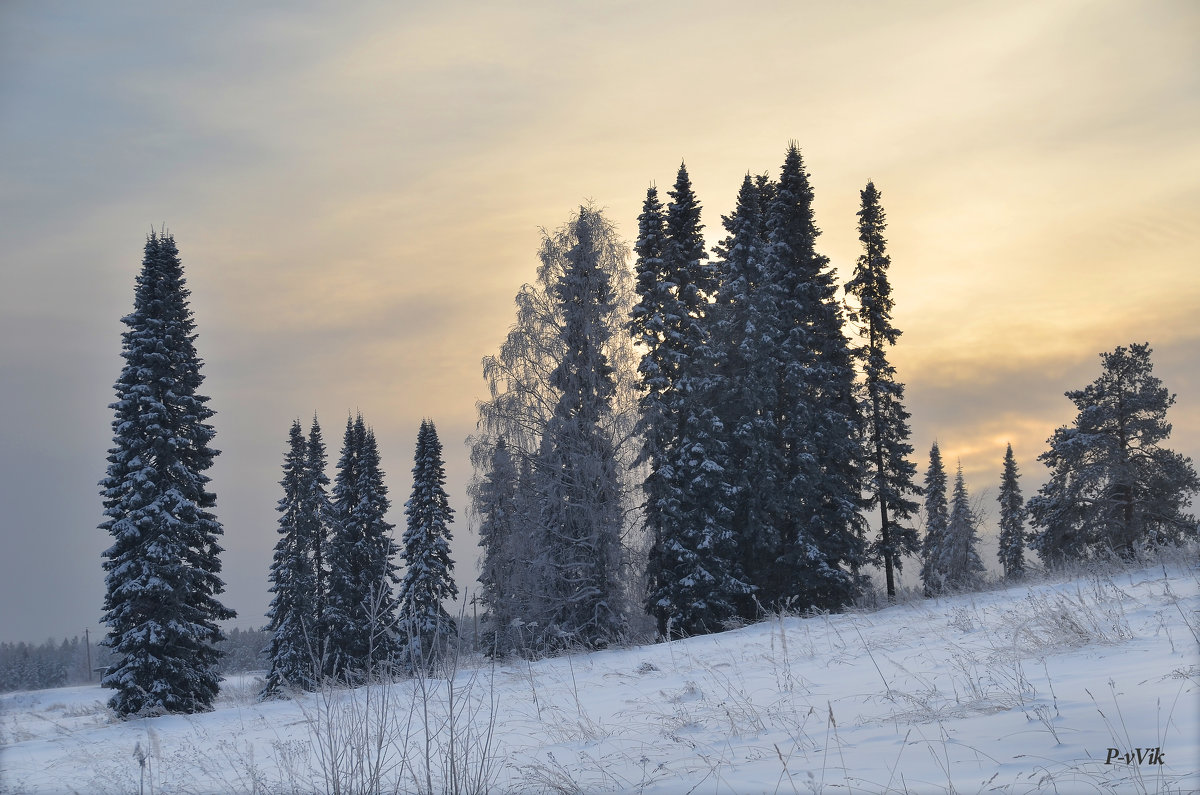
87,642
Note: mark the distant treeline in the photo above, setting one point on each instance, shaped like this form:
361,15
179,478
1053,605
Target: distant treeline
28,666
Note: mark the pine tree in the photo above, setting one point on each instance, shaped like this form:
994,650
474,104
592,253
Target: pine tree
891,474
937,519
1112,485
428,580
693,576
291,619
1012,519
162,580
958,562
577,465
823,529
360,610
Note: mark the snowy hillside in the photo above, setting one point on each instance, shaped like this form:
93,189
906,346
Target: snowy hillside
1019,690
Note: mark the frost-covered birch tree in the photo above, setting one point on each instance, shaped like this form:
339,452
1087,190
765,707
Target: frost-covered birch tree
581,510
524,399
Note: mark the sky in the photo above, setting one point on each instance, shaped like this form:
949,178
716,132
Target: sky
357,192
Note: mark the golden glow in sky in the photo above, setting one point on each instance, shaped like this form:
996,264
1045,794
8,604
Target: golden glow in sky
357,193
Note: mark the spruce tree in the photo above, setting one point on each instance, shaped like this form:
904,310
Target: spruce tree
313,525
345,648
162,580
291,619
496,502
428,580
1112,485
581,510
937,518
693,576
823,529
958,562
746,383
360,610
890,472
1012,519
656,371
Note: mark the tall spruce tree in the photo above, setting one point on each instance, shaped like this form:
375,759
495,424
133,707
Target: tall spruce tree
890,473
746,375
937,518
1112,485
656,370
425,626
162,580
292,617
360,610
1012,519
958,562
693,578
823,528
581,508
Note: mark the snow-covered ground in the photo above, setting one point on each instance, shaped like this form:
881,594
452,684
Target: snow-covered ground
1016,690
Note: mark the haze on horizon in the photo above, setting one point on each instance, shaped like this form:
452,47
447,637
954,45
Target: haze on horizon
357,195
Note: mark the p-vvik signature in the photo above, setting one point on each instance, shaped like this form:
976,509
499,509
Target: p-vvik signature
1141,756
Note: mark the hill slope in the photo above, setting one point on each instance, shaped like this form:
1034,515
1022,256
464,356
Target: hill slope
1015,690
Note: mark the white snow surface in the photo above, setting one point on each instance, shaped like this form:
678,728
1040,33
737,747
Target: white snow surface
1017,690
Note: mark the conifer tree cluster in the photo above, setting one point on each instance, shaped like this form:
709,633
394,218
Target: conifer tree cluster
742,457
360,604
950,559
332,613
1113,487
753,429
336,611
691,442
